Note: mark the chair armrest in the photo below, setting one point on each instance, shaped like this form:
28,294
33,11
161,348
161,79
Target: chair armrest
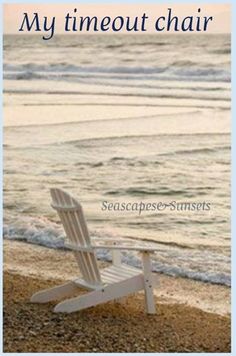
128,248
91,248
108,239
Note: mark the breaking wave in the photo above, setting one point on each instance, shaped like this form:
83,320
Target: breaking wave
174,261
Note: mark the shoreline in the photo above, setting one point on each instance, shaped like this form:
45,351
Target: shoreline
44,263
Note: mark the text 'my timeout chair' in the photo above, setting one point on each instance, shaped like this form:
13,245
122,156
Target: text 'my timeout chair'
107,284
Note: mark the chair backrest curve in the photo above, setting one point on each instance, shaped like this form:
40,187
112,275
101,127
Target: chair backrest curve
72,217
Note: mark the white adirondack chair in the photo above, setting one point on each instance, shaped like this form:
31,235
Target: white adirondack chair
107,284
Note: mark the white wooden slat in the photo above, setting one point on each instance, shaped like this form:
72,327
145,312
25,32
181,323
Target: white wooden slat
125,247
106,279
83,225
77,239
95,267
120,270
106,294
95,274
89,267
82,283
70,234
81,264
110,279
116,257
46,295
130,268
115,274
147,270
81,240
78,235
79,256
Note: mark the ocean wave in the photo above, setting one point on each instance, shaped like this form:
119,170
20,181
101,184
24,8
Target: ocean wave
106,141
93,141
161,191
226,50
202,150
211,99
184,63
115,46
87,164
150,43
27,75
144,191
88,142
190,104
68,72
111,119
130,162
71,68
41,231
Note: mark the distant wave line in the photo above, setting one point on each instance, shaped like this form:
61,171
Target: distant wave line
127,104
131,95
96,139
198,150
75,78
105,120
158,87
181,245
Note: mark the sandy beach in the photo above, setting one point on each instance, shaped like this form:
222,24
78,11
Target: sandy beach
191,316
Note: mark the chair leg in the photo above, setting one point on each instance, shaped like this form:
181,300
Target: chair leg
116,257
149,296
78,303
50,294
116,260
106,294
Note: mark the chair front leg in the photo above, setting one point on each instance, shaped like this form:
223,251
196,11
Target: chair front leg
116,256
116,260
147,271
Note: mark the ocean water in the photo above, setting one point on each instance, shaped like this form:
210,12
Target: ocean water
122,119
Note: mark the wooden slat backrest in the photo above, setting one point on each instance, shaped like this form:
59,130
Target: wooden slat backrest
72,218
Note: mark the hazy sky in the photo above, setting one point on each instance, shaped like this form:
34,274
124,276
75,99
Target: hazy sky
13,13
